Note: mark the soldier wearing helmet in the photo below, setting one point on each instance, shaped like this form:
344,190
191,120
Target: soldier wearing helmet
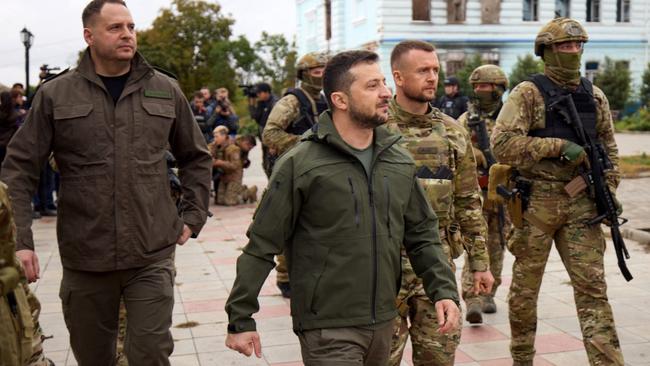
489,83
548,157
296,112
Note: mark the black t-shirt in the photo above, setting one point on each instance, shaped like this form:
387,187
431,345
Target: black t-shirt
115,85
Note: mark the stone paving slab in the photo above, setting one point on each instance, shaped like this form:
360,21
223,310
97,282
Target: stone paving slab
206,268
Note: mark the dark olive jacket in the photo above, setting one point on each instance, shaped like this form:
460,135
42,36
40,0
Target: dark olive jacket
341,231
115,207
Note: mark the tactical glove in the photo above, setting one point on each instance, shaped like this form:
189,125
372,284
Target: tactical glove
573,152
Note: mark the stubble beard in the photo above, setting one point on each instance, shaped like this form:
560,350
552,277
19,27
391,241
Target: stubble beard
366,121
417,96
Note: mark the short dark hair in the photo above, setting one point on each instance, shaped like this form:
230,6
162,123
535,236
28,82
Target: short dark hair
95,7
406,46
248,138
18,85
263,87
337,76
198,94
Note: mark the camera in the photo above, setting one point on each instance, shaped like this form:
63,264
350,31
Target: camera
249,90
47,72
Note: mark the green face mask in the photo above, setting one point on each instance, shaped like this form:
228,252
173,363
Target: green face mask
563,68
488,100
311,84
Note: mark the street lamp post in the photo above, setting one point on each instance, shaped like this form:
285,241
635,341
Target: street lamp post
27,38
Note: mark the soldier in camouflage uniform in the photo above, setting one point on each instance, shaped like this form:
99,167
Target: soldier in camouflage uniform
20,333
296,112
447,172
545,151
489,83
231,191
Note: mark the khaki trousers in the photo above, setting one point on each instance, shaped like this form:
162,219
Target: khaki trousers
91,302
349,346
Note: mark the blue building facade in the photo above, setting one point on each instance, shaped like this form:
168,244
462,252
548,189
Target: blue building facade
498,30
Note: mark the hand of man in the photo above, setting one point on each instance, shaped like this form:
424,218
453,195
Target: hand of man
483,282
245,343
481,162
185,235
29,260
573,153
448,315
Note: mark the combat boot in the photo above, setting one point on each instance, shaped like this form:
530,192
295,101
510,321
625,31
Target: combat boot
474,315
251,194
489,306
522,363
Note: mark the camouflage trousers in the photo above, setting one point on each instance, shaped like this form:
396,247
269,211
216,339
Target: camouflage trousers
231,193
26,344
554,217
429,346
495,251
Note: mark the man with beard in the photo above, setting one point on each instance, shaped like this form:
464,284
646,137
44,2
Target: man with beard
108,123
447,171
340,203
549,158
489,83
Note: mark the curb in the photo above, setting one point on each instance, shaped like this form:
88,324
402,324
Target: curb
639,236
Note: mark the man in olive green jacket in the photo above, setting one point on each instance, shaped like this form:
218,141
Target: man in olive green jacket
340,204
108,123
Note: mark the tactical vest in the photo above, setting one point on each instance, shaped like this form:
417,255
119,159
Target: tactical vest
556,125
308,117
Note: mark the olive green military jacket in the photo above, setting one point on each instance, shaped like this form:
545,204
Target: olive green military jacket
341,231
115,209
537,157
436,140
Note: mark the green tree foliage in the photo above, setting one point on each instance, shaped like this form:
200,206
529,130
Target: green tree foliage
645,88
463,74
440,91
277,61
614,80
524,68
182,39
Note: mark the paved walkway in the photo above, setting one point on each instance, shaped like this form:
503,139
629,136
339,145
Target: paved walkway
206,269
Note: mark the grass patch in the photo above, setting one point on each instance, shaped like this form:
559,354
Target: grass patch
632,166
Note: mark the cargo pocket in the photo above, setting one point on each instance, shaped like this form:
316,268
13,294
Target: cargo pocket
314,281
74,128
153,128
455,240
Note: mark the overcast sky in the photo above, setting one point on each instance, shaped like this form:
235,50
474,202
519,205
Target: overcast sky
58,34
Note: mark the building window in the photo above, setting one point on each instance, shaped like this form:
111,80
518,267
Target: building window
593,10
455,11
421,10
623,11
562,8
490,10
531,10
591,69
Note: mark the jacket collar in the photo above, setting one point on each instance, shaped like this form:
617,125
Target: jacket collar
325,132
407,119
139,68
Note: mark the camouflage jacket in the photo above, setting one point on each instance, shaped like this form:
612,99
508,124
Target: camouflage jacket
285,111
9,274
489,117
436,140
536,157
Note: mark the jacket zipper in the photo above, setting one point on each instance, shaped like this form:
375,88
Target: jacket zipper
375,263
356,203
387,191
274,187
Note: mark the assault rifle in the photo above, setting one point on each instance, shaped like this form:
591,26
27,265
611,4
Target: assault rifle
480,130
595,179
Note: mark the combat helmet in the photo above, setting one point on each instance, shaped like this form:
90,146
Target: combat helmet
490,74
559,30
309,61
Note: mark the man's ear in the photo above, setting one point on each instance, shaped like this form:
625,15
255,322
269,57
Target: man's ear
340,100
88,36
397,77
